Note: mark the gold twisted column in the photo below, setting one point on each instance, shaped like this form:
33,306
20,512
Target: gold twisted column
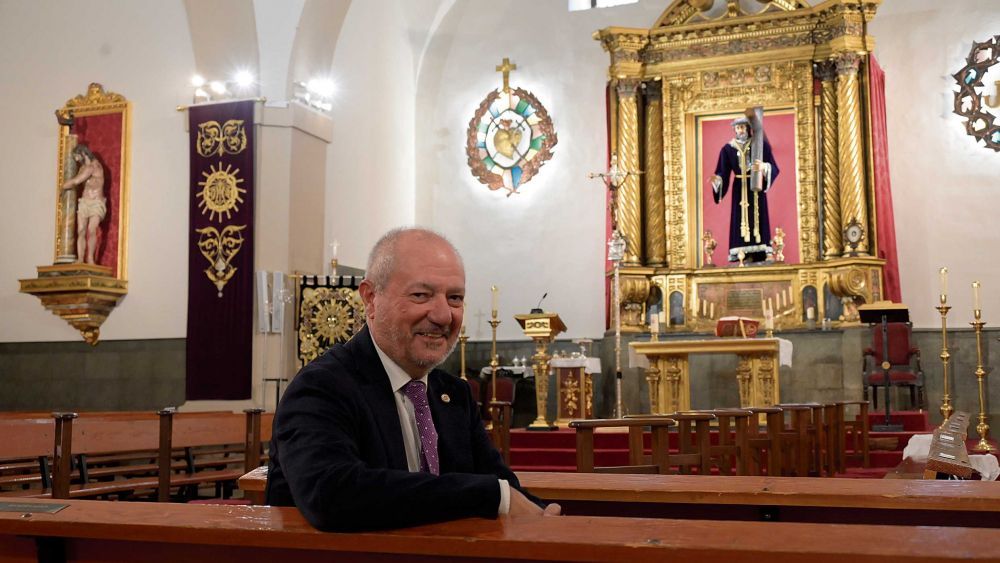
656,229
833,242
629,206
853,206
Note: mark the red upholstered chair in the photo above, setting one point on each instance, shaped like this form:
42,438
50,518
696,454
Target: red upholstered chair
904,360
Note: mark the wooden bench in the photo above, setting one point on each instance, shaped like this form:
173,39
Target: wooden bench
111,531
798,499
130,453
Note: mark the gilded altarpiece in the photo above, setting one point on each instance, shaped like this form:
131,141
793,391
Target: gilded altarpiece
805,66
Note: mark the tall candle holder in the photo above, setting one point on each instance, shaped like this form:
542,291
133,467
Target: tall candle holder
946,408
494,360
462,340
983,428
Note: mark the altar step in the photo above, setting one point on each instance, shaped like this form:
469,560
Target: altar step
556,450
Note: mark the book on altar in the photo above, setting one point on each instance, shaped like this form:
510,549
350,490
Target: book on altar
739,327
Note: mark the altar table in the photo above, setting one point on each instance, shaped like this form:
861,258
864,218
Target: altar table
669,378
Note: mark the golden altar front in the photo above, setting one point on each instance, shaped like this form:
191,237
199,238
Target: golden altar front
805,65
669,374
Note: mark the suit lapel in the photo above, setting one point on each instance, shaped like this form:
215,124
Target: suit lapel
378,393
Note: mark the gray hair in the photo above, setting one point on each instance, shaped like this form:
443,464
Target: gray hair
382,258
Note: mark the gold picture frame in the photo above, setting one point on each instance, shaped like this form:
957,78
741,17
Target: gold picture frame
103,119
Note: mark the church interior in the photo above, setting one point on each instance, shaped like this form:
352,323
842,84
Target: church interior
730,241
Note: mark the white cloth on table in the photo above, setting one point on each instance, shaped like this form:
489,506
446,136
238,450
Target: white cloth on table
523,371
589,365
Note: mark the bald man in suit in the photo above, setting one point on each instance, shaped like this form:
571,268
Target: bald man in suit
370,435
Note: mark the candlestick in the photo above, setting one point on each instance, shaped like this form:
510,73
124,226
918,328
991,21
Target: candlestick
496,292
944,285
333,249
975,297
494,360
983,428
946,408
462,339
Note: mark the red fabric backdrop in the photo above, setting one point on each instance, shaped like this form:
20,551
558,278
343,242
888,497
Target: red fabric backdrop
886,229
103,136
782,198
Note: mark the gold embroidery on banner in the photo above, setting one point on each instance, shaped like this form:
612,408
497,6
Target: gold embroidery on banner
328,316
220,249
215,139
220,192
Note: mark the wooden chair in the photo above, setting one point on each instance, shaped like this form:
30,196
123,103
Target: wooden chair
767,442
904,362
857,429
659,459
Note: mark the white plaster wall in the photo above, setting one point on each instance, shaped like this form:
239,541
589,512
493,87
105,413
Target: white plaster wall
370,182
549,237
945,189
51,51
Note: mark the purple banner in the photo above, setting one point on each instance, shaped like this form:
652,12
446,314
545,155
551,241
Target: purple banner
220,252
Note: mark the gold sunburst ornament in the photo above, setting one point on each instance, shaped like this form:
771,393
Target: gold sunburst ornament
220,192
328,316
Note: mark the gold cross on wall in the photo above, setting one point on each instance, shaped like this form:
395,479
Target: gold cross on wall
505,68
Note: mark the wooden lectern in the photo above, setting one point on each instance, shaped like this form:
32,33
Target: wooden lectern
885,312
542,328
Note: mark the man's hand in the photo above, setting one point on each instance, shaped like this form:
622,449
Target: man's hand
521,506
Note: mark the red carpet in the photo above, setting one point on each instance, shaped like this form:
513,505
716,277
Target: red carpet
556,450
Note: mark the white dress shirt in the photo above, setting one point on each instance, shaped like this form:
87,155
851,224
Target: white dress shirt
398,378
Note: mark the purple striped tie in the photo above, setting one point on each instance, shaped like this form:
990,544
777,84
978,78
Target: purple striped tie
416,393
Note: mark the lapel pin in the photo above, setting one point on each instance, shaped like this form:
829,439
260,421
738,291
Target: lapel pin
445,398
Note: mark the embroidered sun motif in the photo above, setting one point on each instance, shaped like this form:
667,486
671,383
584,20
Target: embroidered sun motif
220,192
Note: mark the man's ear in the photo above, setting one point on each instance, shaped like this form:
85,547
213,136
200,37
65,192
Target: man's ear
367,291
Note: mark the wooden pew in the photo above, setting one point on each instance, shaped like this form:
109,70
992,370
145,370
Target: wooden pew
87,531
798,499
123,453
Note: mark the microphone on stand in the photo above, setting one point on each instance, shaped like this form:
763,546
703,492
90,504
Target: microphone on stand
538,308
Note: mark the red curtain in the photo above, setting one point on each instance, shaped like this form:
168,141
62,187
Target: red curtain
886,230
103,136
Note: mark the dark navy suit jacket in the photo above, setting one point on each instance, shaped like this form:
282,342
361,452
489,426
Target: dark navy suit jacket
337,449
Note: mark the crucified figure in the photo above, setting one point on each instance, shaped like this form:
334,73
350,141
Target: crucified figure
92,206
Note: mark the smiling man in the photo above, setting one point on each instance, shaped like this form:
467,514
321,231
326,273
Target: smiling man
370,435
